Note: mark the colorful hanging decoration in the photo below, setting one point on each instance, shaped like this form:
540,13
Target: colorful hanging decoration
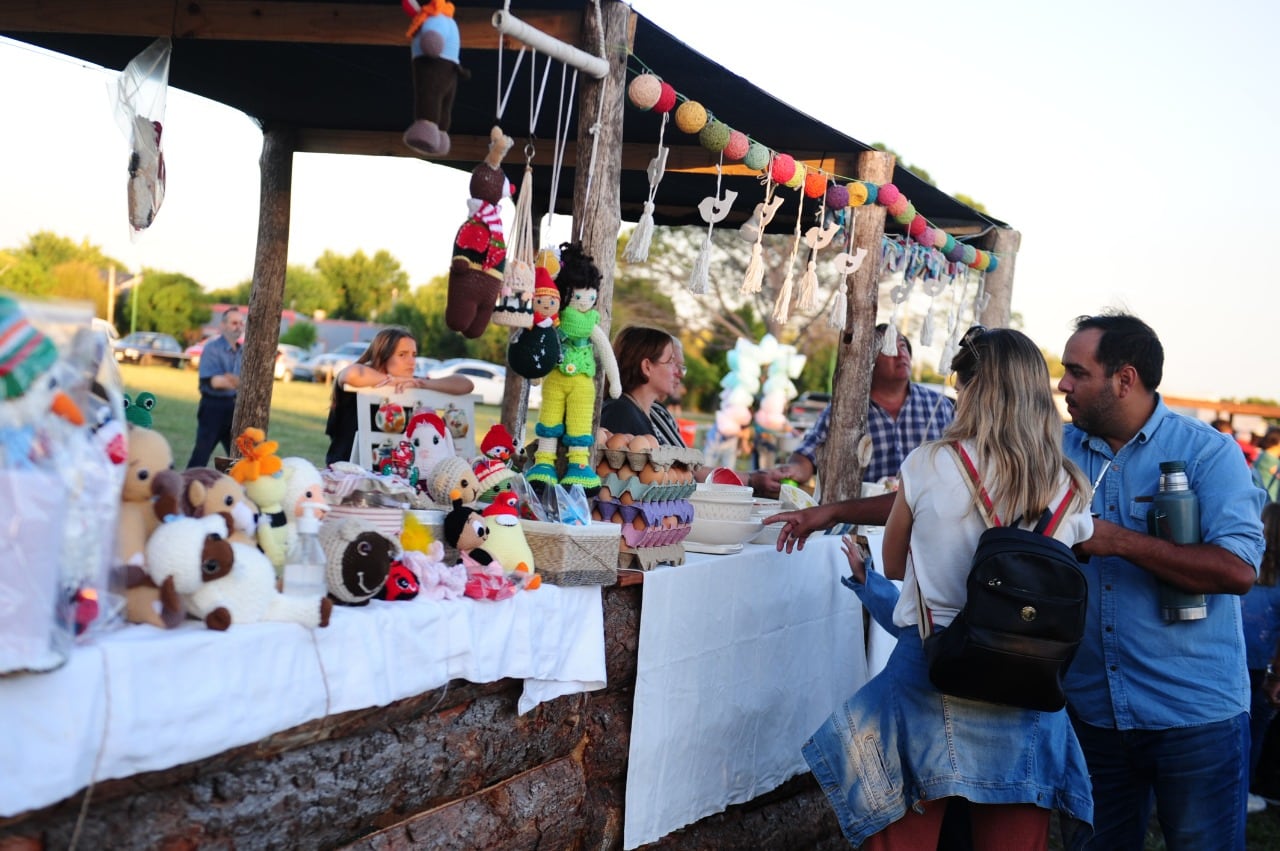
646,92
713,209
752,230
846,264
816,237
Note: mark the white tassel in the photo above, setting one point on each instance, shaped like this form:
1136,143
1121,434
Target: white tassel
701,268
889,343
926,331
782,307
808,299
753,281
839,309
638,246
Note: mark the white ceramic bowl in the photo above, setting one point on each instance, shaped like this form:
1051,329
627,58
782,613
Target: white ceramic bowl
709,490
722,532
716,509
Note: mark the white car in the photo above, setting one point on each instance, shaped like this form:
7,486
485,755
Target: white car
490,379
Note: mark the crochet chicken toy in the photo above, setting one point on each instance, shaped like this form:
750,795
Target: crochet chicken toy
223,583
479,249
434,46
261,472
569,390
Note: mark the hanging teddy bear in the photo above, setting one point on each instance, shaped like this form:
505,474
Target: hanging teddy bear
479,249
434,47
569,390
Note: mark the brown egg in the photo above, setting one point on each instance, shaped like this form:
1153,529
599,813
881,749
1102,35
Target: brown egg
595,514
650,476
639,523
626,498
604,495
616,518
618,441
642,443
624,472
670,522
602,436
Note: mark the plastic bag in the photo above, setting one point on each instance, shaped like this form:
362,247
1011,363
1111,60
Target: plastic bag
140,99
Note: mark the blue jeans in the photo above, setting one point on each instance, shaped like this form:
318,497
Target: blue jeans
1194,775
1260,714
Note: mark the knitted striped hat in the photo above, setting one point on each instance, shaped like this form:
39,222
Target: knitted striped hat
25,353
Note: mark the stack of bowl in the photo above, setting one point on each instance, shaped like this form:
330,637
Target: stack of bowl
722,515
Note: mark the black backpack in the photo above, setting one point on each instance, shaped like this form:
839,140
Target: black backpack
1023,618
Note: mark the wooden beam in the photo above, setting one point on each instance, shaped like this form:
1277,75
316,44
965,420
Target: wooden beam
259,20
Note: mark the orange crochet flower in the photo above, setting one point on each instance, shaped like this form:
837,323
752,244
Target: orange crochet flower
259,456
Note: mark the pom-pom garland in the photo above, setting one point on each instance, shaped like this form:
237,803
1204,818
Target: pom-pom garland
956,253
995,261
858,193
797,177
691,116
714,137
644,91
815,184
737,146
897,205
757,157
666,99
968,255
837,197
947,245
906,215
783,168
917,226
888,195
940,238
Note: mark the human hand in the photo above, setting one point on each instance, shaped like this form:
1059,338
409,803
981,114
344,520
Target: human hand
857,557
768,483
797,526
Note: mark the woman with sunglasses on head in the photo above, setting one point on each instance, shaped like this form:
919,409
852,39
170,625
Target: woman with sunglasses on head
894,754
651,367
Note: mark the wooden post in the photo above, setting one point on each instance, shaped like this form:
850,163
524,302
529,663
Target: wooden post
596,181
257,371
1003,242
839,468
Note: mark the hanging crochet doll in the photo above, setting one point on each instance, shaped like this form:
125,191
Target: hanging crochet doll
569,390
479,249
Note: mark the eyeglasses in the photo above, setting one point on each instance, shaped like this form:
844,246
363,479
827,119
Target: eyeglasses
672,362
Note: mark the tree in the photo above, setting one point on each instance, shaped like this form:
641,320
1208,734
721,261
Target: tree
301,334
20,273
169,302
307,291
365,285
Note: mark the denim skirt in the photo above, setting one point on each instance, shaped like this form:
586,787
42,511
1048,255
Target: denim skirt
899,741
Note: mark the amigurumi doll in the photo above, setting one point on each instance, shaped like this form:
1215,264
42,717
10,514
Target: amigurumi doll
479,249
569,390
434,50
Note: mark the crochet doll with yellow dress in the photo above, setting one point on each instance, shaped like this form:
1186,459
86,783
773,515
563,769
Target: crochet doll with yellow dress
569,391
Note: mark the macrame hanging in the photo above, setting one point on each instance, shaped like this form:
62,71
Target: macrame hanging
752,230
846,264
955,327
713,209
816,237
782,307
934,283
638,245
893,261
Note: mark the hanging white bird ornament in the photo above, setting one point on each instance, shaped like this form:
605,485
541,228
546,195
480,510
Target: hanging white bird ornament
714,210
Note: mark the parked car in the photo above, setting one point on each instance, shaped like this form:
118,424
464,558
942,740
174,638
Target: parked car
194,351
422,366
149,347
355,349
805,409
323,367
490,379
287,357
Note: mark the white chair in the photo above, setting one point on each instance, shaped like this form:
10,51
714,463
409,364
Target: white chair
369,438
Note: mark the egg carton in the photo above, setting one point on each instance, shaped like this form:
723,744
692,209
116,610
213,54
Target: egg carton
645,492
651,514
647,558
660,457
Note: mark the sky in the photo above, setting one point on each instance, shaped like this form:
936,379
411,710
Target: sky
1132,143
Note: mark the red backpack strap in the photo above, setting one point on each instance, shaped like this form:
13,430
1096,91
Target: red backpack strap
975,484
1058,514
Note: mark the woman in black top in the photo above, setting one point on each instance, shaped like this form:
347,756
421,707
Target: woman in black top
651,366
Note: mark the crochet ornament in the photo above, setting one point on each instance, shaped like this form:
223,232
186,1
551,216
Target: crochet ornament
533,352
137,410
357,560
569,391
507,543
465,530
432,443
401,584
434,47
479,249
498,445
261,473
223,583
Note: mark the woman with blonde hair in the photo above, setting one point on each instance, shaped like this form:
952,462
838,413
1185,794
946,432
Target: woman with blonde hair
894,754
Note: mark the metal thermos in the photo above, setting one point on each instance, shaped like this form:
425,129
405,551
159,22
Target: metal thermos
1175,516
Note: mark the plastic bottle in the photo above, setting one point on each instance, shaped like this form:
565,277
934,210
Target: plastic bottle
1175,516
304,567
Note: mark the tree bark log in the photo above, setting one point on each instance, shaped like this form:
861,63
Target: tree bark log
1004,243
839,469
257,371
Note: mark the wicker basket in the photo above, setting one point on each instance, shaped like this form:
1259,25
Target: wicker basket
574,555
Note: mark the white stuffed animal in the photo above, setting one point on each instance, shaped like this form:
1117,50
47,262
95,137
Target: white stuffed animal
223,582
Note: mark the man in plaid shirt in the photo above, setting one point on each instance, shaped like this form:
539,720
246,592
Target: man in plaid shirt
900,416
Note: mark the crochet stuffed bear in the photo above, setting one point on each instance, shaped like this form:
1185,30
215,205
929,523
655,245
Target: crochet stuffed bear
223,583
479,249
206,491
434,47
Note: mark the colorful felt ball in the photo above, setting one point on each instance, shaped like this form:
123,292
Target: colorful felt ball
714,136
993,263
940,238
981,261
666,100
783,168
837,197
968,255
918,225
888,195
897,205
956,252
873,192
737,146
858,193
815,184
691,116
947,245
644,91
925,236
907,215
797,177
757,157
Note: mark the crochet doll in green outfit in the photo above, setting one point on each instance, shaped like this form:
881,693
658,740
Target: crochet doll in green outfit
569,391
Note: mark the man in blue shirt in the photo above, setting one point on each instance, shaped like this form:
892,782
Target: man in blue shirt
1160,708
219,381
900,416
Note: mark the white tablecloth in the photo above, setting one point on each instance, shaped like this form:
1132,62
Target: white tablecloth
140,699
741,658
